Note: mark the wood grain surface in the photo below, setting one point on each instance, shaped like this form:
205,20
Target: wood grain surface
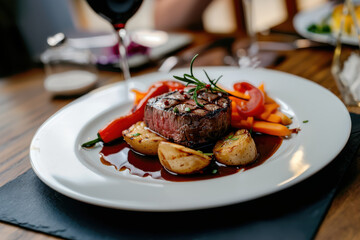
25,105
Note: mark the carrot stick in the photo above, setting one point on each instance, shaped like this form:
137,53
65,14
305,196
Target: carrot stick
274,118
267,98
250,121
243,124
275,129
285,120
271,128
268,109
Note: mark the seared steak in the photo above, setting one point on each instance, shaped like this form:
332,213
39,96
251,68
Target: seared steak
176,116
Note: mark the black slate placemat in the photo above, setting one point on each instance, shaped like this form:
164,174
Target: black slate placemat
294,213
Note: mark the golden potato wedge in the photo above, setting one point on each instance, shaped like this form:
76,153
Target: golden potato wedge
141,139
236,148
180,159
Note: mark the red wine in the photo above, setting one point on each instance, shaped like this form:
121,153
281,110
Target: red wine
117,12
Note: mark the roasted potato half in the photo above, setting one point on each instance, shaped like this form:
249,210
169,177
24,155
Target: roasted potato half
142,139
180,159
236,148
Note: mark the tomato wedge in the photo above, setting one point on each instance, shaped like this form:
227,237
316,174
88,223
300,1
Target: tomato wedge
256,103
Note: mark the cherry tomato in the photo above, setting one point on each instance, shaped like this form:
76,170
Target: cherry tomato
256,103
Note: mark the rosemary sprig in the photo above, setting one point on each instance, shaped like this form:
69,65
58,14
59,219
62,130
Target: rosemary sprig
199,85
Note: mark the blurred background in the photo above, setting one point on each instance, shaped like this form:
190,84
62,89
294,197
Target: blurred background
26,24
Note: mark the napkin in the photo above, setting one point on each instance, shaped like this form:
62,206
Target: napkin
293,213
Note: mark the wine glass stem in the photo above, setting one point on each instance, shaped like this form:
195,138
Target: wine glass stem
249,19
123,56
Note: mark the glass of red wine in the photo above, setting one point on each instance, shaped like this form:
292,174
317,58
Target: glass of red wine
117,12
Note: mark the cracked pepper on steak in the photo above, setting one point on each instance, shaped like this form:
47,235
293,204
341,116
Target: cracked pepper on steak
177,117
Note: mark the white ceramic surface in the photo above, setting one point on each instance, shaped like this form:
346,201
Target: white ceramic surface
60,162
304,19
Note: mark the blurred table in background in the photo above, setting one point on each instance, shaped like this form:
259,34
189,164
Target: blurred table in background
25,105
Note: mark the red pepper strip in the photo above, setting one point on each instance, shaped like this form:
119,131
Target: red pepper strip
114,129
174,85
256,103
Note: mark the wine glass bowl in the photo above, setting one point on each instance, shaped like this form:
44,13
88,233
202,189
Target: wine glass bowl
117,12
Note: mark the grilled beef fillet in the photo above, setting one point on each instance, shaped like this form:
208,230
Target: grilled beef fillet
176,116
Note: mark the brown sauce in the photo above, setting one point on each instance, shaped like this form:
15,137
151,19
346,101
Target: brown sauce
122,157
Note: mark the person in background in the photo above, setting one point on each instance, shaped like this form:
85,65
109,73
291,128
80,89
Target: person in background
179,14
216,16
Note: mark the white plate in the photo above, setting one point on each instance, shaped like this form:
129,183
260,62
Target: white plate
58,160
304,19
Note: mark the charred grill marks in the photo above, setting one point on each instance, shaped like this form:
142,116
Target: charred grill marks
177,117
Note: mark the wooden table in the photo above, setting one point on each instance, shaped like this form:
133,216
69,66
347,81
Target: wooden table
25,105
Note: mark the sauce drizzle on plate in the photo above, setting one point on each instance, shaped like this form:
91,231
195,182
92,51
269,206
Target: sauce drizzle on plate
122,157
